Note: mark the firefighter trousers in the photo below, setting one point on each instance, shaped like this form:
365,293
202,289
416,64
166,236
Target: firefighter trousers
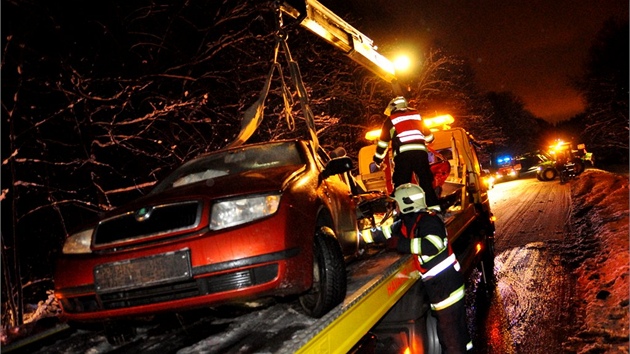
446,295
415,161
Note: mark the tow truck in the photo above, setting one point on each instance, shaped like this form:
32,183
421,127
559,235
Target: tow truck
384,311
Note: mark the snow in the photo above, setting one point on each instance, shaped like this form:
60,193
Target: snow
599,218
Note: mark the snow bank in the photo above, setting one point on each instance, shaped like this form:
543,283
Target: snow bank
599,247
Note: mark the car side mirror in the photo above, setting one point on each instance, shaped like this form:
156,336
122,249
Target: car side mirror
337,166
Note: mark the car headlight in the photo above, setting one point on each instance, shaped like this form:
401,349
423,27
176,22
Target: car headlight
234,212
78,243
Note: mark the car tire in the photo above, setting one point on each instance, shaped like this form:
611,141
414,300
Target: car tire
432,341
486,267
329,276
549,174
579,167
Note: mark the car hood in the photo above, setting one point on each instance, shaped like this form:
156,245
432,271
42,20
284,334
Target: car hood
245,183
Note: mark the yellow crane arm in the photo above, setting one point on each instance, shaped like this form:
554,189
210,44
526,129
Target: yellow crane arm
327,25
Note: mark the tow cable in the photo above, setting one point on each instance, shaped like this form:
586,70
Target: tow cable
253,115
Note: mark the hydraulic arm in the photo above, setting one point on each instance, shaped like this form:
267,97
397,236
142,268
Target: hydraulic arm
327,25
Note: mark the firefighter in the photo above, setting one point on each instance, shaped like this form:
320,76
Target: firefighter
409,136
421,232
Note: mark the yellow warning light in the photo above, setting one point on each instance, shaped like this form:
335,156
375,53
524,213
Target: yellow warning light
373,134
440,121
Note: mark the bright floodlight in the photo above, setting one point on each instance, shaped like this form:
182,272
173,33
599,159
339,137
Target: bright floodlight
402,63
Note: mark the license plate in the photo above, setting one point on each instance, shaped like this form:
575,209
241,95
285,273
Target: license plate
143,272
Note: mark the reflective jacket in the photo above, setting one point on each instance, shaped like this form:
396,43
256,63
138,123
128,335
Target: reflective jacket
405,130
423,234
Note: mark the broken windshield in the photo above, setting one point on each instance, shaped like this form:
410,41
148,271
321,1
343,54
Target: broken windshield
230,162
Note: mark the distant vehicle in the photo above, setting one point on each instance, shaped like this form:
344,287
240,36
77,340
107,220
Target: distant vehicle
507,169
562,153
240,224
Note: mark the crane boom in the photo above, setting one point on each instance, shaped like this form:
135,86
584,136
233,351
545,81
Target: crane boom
326,24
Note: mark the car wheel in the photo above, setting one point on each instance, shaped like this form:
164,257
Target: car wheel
432,341
579,167
549,174
487,266
329,276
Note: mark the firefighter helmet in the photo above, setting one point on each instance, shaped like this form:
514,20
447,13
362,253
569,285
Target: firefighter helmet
396,104
410,198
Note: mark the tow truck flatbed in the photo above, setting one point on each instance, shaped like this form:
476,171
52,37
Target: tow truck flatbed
375,284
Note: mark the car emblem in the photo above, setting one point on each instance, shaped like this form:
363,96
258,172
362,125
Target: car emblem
144,213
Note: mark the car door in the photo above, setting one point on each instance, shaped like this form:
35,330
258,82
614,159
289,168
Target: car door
339,201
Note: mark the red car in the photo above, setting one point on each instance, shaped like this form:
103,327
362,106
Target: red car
262,220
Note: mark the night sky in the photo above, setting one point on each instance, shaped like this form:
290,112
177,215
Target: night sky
531,48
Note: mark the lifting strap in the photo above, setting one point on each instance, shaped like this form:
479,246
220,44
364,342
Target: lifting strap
253,115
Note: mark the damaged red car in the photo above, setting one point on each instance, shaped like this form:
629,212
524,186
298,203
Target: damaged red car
262,220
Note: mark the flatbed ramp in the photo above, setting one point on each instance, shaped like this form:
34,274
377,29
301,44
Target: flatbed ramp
375,285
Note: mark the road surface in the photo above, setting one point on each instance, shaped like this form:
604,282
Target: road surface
531,310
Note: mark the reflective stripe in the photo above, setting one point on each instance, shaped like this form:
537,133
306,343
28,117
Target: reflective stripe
387,232
437,241
447,262
408,147
450,300
367,236
405,139
411,132
424,259
383,144
469,346
415,246
407,117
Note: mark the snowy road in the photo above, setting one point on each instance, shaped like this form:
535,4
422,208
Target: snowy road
530,311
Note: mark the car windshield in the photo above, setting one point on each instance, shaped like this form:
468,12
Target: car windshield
233,161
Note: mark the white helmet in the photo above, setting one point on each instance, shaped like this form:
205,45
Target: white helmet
410,198
396,104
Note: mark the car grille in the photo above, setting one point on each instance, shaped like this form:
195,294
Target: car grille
149,221
172,291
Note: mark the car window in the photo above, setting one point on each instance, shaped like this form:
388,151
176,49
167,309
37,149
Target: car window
233,161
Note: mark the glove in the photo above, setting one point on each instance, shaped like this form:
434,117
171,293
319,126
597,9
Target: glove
375,167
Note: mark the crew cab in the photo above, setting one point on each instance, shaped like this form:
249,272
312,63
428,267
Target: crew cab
257,221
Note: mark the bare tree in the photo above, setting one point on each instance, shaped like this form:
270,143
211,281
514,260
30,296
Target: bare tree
604,87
